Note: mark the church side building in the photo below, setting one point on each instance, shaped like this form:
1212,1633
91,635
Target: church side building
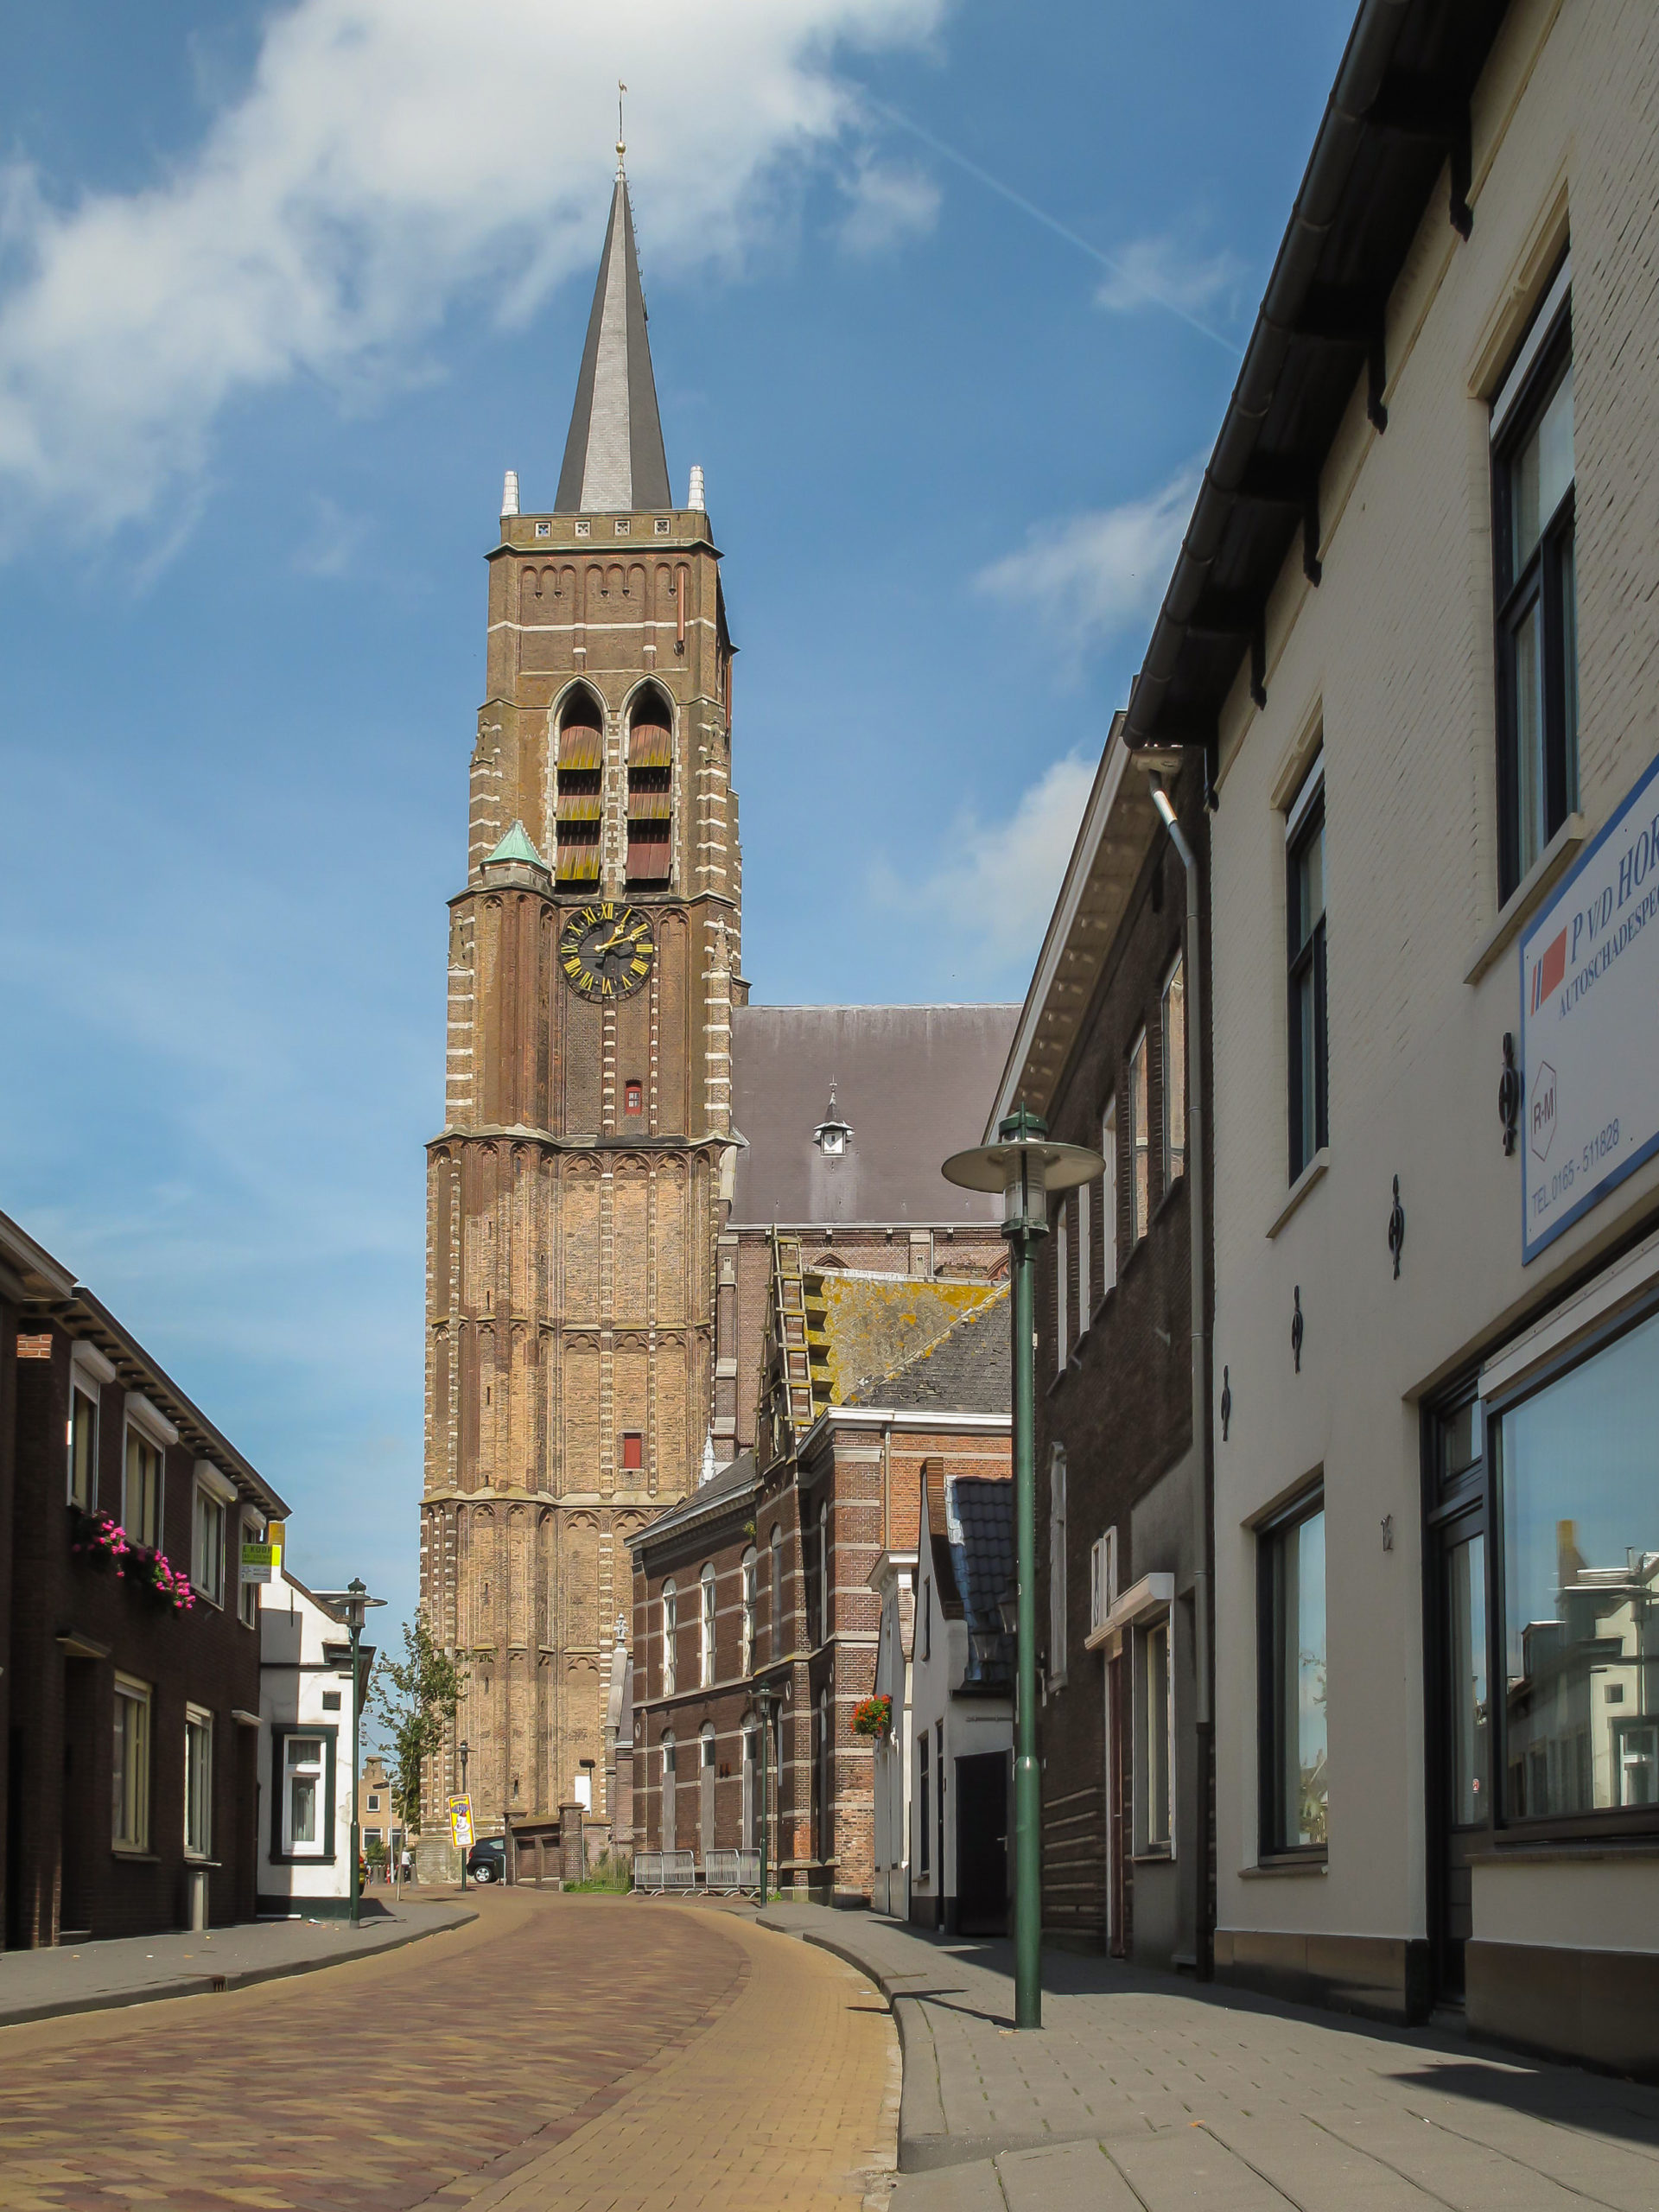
573,1191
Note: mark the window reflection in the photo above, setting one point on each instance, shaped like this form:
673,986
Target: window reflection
1580,1495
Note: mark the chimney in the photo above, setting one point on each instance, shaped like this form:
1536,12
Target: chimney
693,497
510,492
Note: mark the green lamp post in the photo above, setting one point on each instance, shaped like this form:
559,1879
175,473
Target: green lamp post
352,1604
1026,1167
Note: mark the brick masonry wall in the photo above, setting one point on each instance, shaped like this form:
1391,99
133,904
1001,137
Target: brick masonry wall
66,1872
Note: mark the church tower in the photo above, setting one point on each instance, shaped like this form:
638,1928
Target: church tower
572,1195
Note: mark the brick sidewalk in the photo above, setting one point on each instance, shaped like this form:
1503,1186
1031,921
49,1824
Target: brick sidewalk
1143,2093
557,2052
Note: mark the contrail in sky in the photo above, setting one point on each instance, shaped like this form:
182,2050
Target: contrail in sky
1050,223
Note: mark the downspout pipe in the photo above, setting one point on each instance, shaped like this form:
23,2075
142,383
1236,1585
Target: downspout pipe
1199,1270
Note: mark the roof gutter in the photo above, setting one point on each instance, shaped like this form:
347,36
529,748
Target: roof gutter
1364,65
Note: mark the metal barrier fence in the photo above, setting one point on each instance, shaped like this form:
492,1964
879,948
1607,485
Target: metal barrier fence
726,1874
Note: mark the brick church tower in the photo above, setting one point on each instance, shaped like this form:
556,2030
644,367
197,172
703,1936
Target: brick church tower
573,1193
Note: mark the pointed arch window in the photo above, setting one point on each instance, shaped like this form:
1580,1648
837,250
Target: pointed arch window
651,789
580,799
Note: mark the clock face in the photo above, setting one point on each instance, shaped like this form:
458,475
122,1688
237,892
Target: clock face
606,949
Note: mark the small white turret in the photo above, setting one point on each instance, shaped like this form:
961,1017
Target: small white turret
510,492
693,497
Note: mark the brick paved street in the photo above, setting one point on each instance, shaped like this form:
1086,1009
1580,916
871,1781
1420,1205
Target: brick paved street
602,2054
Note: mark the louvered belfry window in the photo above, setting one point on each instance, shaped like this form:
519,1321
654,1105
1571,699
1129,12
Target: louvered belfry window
580,795
651,793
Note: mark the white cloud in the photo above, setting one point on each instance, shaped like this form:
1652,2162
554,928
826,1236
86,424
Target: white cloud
888,204
391,161
989,900
1160,272
1094,575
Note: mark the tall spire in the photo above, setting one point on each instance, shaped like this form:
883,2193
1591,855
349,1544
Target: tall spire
613,457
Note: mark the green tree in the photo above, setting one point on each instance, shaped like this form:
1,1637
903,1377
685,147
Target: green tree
415,1697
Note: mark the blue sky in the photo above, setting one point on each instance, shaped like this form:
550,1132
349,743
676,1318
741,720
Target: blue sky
283,292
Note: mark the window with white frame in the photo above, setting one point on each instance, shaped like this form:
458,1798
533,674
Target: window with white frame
1173,1029
1140,1152
141,1489
1085,1256
1103,1579
1057,1622
1109,1197
129,1773
83,1449
1062,1270
706,1628
198,1783
670,1634
751,1576
207,1545
670,1829
304,1815
1156,1774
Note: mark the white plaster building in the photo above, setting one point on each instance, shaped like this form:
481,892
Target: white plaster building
305,1751
1415,623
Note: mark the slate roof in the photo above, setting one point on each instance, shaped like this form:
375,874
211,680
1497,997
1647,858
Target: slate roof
722,1488
875,1326
614,458
965,1369
979,1522
915,1083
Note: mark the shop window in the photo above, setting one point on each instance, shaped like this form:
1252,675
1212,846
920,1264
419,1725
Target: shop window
198,1783
83,1450
1140,1156
633,1449
1305,911
1534,536
634,1098
1579,1501
129,1773
1294,1789
1173,1033
141,1490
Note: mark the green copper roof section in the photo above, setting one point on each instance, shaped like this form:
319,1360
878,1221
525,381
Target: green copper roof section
516,846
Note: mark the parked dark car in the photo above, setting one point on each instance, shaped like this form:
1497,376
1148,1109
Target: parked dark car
487,1860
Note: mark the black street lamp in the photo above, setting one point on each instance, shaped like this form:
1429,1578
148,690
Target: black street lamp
1025,1166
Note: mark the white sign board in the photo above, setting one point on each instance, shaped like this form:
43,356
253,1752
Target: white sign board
1589,1038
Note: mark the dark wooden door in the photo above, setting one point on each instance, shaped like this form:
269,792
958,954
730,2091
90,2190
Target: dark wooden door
982,1844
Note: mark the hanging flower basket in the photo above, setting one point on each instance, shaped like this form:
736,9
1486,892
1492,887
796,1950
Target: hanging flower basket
102,1542
167,1583
873,1716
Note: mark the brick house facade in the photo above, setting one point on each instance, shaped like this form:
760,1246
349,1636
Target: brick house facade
783,1540
132,1728
1125,1794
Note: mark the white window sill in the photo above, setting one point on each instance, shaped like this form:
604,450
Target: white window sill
1315,1172
1529,895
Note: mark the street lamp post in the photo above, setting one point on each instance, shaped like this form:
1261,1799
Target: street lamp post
463,1792
1025,1166
766,1699
353,1602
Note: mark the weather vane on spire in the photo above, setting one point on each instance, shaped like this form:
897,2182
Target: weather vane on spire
621,140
